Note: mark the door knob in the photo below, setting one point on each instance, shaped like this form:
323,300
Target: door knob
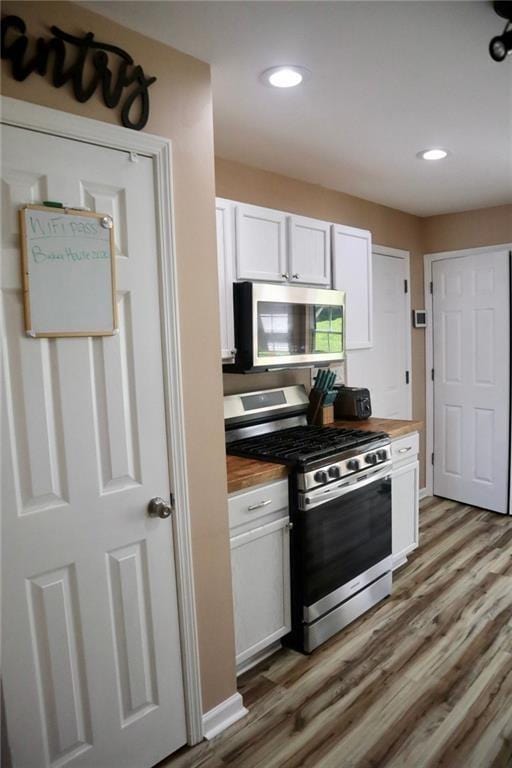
157,507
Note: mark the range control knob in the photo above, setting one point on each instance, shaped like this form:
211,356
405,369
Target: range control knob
334,472
353,464
371,458
321,477
382,455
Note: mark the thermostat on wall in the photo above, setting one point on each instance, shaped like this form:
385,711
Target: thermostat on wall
419,318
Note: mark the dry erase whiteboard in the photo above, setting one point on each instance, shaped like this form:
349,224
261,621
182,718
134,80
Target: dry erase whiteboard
68,272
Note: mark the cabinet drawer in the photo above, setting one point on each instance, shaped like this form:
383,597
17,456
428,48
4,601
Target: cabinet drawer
248,506
405,447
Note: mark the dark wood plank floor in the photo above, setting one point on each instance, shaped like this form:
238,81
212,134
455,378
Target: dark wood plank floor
422,680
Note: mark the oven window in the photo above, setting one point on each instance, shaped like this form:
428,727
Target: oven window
343,538
299,329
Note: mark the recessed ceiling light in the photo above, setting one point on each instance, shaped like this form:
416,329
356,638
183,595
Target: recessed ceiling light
433,154
285,76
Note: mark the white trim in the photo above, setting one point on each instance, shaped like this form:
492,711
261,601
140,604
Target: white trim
384,250
223,715
245,666
428,260
423,494
33,117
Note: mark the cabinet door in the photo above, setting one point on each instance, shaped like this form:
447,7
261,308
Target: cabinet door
260,565
405,500
225,265
352,272
260,244
309,249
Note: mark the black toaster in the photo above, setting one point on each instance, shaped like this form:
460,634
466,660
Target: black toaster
352,403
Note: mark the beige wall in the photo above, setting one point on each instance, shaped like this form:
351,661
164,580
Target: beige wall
387,225
469,229
181,110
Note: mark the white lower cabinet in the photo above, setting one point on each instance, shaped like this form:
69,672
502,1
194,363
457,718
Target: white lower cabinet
405,497
260,566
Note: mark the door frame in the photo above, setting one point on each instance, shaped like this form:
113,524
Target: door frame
428,260
22,114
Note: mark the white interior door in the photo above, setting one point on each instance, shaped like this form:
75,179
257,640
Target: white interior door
471,326
91,651
384,368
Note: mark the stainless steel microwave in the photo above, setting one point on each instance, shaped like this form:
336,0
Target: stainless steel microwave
279,326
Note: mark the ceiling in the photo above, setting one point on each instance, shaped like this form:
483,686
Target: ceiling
387,79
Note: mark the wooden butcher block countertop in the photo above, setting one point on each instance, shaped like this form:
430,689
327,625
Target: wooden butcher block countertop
394,427
245,473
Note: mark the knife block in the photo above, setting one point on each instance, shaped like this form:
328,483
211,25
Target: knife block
325,415
315,404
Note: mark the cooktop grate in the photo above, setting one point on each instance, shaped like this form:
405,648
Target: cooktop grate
299,444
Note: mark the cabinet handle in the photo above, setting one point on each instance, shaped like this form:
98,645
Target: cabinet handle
285,275
259,505
296,276
289,526
404,450
233,352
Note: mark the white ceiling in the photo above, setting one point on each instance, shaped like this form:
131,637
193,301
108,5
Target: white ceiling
388,79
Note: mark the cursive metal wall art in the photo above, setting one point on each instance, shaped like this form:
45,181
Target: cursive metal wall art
109,68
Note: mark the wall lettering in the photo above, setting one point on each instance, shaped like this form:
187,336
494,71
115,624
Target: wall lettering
129,84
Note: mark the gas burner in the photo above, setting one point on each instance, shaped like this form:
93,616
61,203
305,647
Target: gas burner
303,444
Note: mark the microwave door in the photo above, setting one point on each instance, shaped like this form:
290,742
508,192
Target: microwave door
280,326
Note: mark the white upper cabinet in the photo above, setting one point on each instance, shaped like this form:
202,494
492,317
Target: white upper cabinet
226,267
260,244
309,251
352,272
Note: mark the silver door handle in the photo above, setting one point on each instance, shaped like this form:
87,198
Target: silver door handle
285,275
260,504
289,526
157,507
296,276
404,450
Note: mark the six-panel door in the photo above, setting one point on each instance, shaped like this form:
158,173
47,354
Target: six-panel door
471,324
91,650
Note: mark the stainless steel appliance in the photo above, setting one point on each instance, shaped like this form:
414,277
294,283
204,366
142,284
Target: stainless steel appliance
280,326
340,507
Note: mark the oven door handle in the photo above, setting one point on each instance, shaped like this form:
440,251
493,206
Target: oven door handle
323,495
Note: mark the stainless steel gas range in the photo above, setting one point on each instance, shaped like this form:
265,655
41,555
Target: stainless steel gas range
340,507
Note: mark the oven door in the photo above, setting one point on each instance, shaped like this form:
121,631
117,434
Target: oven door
344,534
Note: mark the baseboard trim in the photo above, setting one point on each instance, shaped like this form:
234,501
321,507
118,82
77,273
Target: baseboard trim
423,493
223,715
258,657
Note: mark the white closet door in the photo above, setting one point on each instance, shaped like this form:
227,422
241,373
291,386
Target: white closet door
91,651
384,368
471,323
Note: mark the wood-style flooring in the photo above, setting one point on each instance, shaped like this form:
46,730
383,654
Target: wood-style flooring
422,680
